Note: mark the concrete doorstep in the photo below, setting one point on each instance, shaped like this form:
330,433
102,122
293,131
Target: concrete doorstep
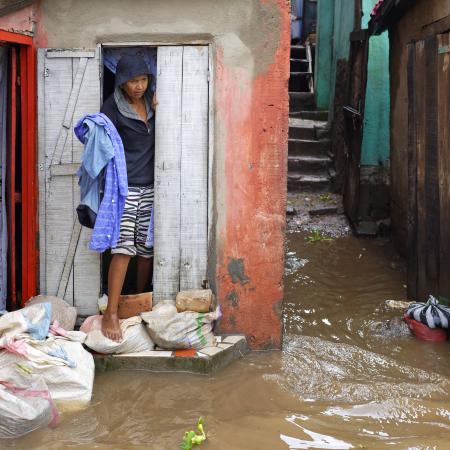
204,361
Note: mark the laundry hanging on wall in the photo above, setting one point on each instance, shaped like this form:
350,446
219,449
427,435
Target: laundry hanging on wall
3,218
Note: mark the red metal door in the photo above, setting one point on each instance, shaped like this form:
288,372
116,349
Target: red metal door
12,197
22,176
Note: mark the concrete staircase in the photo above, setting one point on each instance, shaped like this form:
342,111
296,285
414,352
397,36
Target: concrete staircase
309,160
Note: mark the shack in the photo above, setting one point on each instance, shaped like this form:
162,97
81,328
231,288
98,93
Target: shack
222,73
419,127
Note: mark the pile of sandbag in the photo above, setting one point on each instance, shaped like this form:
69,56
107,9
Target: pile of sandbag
186,323
170,329
55,358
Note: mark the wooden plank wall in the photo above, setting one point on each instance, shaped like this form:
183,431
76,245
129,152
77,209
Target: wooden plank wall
428,169
443,116
194,168
181,170
412,175
166,272
431,254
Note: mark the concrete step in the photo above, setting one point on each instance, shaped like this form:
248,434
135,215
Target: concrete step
308,129
323,132
296,132
306,113
299,65
298,51
303,147
207,360
308,163
301,101
301,182
299,81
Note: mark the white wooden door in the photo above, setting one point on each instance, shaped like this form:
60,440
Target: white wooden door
68,89
181,170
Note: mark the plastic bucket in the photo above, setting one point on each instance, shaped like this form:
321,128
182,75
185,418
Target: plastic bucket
424,333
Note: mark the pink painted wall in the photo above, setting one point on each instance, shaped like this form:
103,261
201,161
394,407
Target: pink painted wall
21,21
250,262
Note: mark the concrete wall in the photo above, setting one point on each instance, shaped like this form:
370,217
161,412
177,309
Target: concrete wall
407,29
250,42
375,146
324,53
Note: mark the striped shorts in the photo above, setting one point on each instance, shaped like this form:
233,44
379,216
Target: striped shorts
135,222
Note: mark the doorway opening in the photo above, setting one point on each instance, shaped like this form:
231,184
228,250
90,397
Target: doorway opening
110,58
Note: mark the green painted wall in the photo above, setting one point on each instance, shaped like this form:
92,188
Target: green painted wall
343,25
324,52
376,138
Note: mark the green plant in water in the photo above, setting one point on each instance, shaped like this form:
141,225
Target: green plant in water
327,198
317,236
192,438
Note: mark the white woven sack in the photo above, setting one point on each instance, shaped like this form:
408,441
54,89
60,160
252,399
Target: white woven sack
25,405
135,338
187,329
66,367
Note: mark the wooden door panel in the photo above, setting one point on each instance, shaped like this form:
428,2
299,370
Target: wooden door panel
69,89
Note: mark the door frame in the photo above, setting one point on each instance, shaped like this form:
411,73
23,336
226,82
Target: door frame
27,76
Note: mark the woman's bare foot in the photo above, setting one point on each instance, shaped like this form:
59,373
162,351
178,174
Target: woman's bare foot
111,327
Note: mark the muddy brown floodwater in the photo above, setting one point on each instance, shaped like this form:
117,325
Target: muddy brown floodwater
349,375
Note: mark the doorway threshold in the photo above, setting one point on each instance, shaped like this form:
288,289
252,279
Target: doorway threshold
205,361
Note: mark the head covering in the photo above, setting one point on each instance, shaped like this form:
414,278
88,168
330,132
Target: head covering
129,67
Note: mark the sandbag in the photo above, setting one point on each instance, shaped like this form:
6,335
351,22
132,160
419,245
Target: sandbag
198,300
135,338
25,403
62,312
181,330
163,308
432,314
52,352
129,305
65,366
30,322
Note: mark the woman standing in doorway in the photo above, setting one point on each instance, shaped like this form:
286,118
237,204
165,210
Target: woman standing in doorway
131,109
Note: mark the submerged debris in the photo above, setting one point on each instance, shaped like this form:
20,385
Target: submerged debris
315,211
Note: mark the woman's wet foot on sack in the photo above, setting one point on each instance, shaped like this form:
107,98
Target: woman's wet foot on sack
111,327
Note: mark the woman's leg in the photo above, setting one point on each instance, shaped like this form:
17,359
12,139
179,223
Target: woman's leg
116,276
144,272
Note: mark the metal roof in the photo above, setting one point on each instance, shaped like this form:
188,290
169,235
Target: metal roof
386,13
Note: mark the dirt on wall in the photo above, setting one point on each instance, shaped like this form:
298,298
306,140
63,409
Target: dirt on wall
410,27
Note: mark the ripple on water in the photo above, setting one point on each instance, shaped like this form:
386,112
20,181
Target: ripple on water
320,370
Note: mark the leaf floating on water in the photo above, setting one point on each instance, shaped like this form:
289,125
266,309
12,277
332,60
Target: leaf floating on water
192,438
317,236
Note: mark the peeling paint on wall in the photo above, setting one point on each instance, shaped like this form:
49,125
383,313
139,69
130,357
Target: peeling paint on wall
255,116
21,21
